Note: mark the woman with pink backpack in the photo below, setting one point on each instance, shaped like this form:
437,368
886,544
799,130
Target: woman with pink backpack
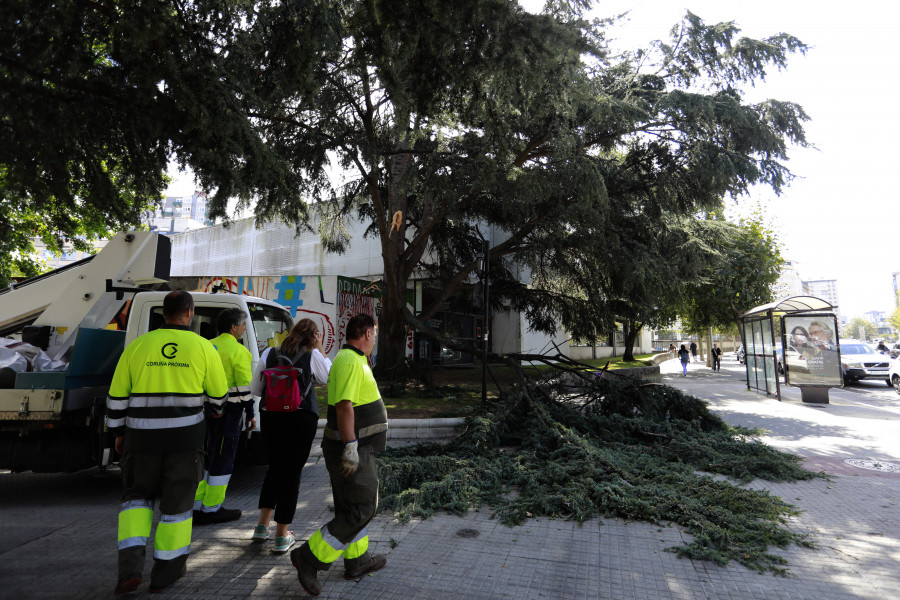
289,416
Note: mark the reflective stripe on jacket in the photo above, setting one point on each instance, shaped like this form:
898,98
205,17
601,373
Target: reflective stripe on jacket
161,383
237,362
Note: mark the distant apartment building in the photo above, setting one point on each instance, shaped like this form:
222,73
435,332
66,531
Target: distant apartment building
896,278
875,316
789,282
185,207
54,260
178,214
826,289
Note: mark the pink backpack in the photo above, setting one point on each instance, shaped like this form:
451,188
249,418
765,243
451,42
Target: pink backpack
283,384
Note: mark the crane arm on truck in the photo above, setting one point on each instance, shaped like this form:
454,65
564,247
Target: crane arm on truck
53,420
87,293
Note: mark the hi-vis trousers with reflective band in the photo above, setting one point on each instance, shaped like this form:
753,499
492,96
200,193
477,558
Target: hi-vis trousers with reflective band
222,439
171,480
355,500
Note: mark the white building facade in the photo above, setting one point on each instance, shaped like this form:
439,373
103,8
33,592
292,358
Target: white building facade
296,271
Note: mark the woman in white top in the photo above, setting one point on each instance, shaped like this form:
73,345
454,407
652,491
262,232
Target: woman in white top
288,436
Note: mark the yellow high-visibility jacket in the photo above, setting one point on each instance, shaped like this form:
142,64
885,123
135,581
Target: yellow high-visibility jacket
158,392
238,364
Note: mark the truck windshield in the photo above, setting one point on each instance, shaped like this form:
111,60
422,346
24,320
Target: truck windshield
271,325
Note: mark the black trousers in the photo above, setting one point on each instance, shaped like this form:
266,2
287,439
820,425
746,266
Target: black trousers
288,438
222,437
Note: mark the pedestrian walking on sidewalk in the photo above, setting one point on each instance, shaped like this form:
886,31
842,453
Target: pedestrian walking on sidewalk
693,352
355,431
222,434
684,356
156,401
288,436
716,354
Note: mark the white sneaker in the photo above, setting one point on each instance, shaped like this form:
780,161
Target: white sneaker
260,533
283,544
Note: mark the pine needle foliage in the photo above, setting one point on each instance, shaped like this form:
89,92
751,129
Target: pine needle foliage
615,448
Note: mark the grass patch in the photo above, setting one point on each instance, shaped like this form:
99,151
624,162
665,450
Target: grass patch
455,392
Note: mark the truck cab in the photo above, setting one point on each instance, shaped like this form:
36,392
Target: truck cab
78,320
267,323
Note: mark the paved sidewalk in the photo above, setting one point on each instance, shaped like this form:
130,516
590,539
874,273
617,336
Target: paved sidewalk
57,532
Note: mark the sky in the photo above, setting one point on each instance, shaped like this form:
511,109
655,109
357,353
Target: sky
838,219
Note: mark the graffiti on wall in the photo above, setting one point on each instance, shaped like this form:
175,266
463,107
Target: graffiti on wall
355,296
305,297
328,300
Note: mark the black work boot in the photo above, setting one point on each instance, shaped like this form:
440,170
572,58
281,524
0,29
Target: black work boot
223,515
355,568
127,586
160,584
306,574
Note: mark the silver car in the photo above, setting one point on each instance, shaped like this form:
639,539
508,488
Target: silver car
859,361
894,374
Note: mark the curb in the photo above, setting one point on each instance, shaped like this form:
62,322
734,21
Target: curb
416,429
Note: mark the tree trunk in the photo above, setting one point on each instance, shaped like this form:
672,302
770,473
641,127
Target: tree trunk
392,336
630,332
391,211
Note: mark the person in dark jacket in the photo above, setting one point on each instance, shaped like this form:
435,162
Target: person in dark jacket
288,436
684,356
716,354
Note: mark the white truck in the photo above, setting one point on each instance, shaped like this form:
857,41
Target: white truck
54,420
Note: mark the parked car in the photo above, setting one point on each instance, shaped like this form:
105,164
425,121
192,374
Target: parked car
860,361
894,374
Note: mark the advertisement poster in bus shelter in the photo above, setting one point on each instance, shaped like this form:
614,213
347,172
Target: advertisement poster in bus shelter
811,354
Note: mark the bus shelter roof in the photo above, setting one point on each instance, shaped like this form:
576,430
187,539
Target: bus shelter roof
790,305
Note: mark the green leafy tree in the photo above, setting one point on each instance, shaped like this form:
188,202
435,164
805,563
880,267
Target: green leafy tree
853,327
740,278
451,122
537,137
894,318
639,278
96,96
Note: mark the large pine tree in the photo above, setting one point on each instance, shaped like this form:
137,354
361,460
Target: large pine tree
450,122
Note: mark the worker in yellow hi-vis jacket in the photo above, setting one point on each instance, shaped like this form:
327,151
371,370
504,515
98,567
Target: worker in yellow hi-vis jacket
356,429
224,433
155,409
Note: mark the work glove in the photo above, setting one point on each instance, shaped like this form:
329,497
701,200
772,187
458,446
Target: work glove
350,459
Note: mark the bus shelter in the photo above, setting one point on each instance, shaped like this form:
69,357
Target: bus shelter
796,336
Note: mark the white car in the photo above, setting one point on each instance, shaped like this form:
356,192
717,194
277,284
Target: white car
895,374
860,361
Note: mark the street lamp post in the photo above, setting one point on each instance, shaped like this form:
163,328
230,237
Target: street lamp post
485,259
